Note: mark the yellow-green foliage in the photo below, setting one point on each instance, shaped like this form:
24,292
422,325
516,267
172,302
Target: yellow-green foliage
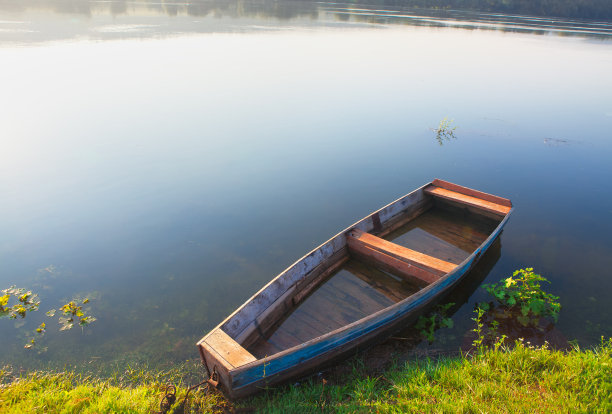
57,393
68,393
525,379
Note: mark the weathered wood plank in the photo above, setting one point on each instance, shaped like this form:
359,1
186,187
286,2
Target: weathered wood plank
266,319
424,261
357,298
392,288
403,218
287,301
468,200
467,236
471,192
228,349
342,300
456,232
309,283
244,316
213,359
391,264
425,242
448,233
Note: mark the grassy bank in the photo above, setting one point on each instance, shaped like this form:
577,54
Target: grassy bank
524,379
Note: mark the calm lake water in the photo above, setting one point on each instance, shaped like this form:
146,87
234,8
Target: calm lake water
166,160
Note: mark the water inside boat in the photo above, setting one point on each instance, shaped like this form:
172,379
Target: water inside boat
358,289
445,232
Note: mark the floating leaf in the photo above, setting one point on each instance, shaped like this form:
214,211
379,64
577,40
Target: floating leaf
4,300
67,323
18,310
447,323
87,320
65,327
51,313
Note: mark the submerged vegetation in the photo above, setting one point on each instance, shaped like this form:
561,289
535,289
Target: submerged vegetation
427,325
17,302
22,303
523,378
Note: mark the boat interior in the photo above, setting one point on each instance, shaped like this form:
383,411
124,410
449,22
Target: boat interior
374,270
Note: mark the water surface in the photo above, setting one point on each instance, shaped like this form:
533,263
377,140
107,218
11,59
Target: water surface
167,163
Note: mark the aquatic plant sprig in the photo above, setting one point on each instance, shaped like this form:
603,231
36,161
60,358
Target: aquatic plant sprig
445,131
488,335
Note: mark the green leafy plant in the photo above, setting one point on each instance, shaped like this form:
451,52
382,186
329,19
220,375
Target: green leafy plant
522,293
427,325
478,343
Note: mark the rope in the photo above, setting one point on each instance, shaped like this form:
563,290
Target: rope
169,397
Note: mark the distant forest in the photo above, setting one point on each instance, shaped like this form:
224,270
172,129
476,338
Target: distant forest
284,9
583,9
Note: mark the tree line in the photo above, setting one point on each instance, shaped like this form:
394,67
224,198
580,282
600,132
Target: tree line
581,9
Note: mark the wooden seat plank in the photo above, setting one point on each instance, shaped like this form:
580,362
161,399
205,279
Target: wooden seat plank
230,350
421,260
468,200
391,264
471,192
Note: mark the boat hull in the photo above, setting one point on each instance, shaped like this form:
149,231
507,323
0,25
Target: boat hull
252,375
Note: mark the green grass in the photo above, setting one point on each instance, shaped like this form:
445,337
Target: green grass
524,379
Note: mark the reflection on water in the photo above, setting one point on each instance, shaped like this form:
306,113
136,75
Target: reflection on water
169,175
45,20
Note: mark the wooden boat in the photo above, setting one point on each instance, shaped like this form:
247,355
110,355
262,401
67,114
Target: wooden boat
358,287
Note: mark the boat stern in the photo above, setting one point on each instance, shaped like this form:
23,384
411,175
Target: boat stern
221,354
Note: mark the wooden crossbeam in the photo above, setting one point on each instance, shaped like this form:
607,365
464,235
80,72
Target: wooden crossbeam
398,259
469,200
